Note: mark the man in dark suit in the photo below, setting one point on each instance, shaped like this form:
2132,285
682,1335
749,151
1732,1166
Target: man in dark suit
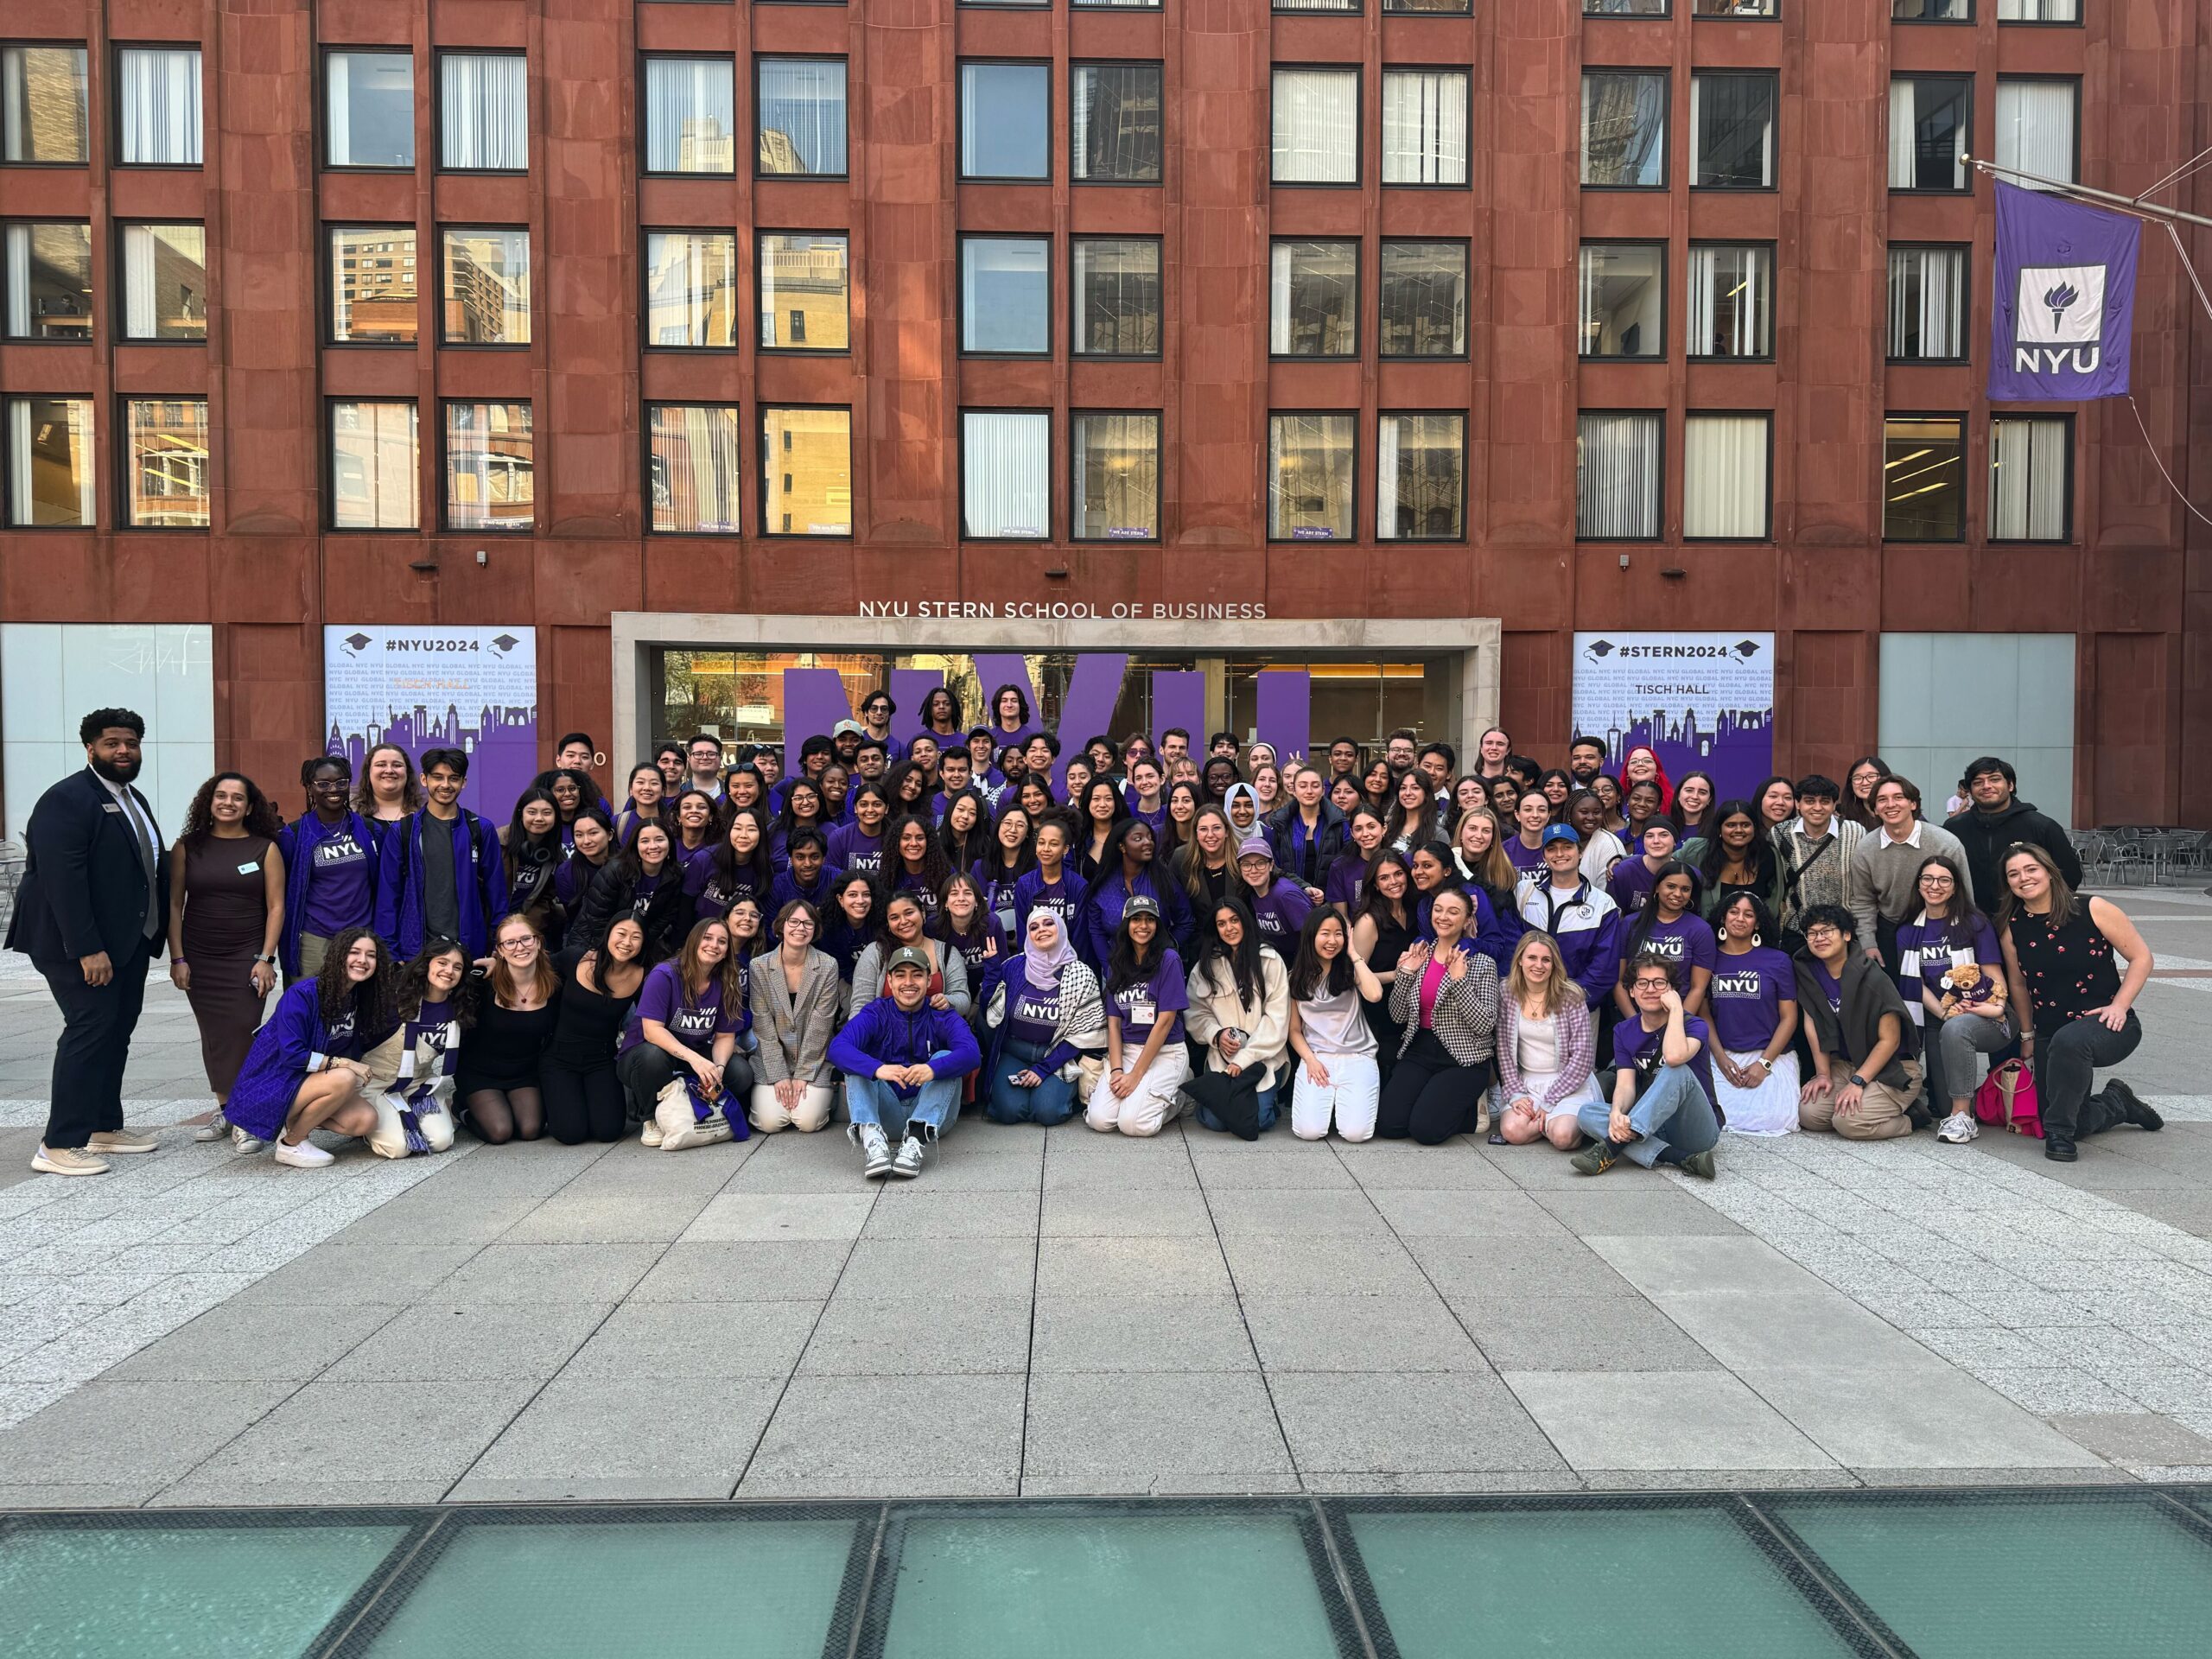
89,915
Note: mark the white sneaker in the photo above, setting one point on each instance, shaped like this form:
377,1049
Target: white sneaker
66,1160
306,1155
874,1147
909,1164
213,1129
1958,1128
106,1144
245,1142
650,1135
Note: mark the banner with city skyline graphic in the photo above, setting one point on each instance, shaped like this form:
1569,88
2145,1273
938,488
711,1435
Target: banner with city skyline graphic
475,690
1703,702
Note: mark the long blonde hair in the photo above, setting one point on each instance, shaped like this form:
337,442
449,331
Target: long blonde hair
1555,986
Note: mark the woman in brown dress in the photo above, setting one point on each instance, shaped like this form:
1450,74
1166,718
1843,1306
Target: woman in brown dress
226,912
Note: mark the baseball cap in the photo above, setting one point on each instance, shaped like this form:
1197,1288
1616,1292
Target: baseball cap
907,955
1254,846
1141,904
1560,832
852,726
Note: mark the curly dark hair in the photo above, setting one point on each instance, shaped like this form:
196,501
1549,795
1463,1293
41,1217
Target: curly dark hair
413,983
374,1005
261,818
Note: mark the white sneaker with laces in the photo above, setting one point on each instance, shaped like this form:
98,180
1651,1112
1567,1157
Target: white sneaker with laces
909,1164
66,1160
245,1142
213,1129
650,1135
105,1143
1958,1128
306,1155
874,1147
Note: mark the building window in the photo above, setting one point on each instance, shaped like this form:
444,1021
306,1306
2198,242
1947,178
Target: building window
50,462
807,472
692,289
1116,494
1725,477
373,285
1732,8
484,112
692,451
164,282
1313,299
1425,126
368,109
1731,123
1421,476
1006,130
1116,291
2035,127
1923,483
43,99
2028,477
1006,296
487,288
802,116
1310,477
1927,305
1124,5
805,284
1006,489
1732,301
1316,118
1316,5
2038,11
1627,8
1625,128
165,481
1931,120
1616,477
374,463
1433,8
1624,308
1932,11
1424,299
488,467
691,116
49,281
157,106
1114,113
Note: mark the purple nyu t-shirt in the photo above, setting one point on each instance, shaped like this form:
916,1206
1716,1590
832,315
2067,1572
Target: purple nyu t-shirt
1746,996
1143,1005
661,998
1687,942
1638,1049
338,880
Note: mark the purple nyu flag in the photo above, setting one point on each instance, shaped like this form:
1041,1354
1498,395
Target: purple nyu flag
2065,300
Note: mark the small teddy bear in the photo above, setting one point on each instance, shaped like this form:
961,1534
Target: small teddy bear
1967,989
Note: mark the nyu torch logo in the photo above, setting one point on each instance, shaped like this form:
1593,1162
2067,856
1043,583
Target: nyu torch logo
2058,319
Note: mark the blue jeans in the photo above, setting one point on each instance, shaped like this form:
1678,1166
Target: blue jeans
1676,1103
1270,1109
1050,1102
870,1100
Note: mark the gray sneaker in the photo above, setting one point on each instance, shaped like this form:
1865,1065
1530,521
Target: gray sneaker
246,1143
1699,1164
910,1158
213,1129
874,1147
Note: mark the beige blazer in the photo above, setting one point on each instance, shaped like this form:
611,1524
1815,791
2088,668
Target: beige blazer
794,1031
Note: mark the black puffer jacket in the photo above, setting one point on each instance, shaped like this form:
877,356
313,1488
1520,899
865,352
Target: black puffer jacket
1986,834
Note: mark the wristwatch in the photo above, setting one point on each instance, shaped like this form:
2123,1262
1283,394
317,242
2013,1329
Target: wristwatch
1858,1082
271,961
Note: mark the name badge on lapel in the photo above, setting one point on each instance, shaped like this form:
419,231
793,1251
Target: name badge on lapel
248,869
111,806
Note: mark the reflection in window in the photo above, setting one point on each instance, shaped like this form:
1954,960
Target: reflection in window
1732,121
1117,296
369,109
372,285
1617,476
807,472
1424,299
1625,128
166,478
49,281
690,115
691,289
1006,489
1003,132
373,465
1923,483
805,304
801,116
489,466
487,288
1313,299
1116,496
1624,289
42,104
164,282
1931,119
1310,478
693,455
1115,122
49,462
1421,470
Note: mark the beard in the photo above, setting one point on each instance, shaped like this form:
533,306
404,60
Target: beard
115,771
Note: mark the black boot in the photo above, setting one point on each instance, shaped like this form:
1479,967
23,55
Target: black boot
2059,1148
2130,1106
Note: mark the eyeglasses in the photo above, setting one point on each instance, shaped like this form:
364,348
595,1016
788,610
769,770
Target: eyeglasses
1932,879
524,943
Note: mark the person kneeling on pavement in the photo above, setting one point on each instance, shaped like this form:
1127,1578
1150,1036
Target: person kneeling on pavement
902,1057
409,1079
679,1057
1661,1110
1045,1016
1866,1048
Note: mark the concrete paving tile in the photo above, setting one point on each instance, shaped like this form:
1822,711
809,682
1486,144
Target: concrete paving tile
1359,1333
1438,1482
112,1495
267,1341
1347,1422
1083,1212
582,1431
117,1433
931,1335
801,1271
1180,1485
888,1268
416,1218
472,1341
1941,1420
908,1212
643,1340
1606,1211
1582,1333
1825,1330
846,1435
2137,1437
1262,1167
1826,1478
1657,1264
1280,1264
1455,1167
1094,1173
307,1437
1492,1268
750,1218
622,1215
1099,1333
1130,1266
1661,1419
1158,1427
1483,1212
332,1273
2095,1474
1322,1212
550,1273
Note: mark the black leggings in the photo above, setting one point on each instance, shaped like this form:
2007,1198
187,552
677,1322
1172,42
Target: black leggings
645,1071
499,1115
1430,1096
583,1103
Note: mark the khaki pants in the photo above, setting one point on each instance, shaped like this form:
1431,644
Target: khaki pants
1882,1113
811,1113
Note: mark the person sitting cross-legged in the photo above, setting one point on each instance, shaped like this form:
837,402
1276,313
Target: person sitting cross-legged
1866,1050
902,1056
1662,1108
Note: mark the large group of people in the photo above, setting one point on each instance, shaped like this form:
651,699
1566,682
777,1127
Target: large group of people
1609,962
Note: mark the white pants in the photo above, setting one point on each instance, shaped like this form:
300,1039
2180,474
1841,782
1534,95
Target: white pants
1350,1095
1151,1105
1771,1108
388,1138
811,1113
1535,1085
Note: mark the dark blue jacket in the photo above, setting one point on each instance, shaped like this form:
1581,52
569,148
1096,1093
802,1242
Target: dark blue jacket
480,883
882,1033
84,888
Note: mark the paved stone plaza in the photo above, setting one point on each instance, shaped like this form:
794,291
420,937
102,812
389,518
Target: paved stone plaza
1057,1312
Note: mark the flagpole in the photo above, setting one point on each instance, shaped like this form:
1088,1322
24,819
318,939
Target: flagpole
2125,204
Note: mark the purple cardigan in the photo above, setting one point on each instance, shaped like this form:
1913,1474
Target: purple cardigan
1577,1050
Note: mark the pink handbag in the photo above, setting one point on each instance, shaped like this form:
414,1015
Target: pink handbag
2007,1095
